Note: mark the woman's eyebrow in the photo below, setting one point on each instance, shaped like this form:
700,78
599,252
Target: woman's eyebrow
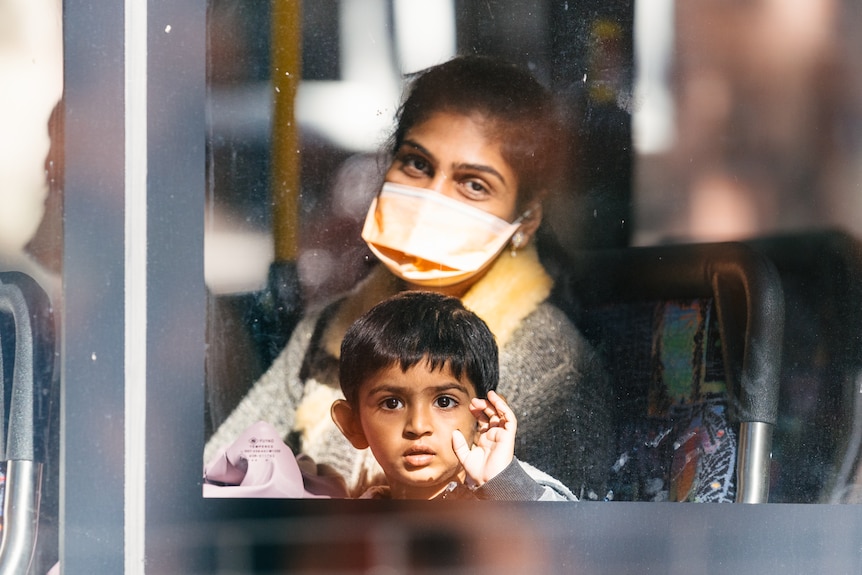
417,146
481,168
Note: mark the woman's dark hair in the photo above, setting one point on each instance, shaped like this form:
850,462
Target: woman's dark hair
519,111
417,326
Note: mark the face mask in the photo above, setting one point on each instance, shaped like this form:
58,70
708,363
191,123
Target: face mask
431,240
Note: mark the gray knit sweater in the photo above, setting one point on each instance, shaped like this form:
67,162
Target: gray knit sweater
518,482
555,384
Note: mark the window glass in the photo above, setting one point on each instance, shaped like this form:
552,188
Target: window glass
693,126
31,255
733,121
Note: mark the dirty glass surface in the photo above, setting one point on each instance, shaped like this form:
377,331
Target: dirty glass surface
31,252
679,140
732,121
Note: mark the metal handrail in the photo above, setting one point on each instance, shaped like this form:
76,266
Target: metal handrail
23,473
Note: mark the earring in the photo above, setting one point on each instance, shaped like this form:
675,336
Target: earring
517,242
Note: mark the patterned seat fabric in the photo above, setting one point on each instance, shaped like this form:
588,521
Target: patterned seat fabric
675,440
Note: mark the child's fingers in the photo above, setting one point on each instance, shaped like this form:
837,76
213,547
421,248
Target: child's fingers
459,444
503,411
485,413
491,412
478,407
478,410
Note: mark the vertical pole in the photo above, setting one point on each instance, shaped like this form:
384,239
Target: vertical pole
92,414
286,71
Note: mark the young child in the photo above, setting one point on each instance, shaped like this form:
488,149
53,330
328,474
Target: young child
418,372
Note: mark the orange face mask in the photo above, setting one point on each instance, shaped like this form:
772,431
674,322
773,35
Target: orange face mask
428,239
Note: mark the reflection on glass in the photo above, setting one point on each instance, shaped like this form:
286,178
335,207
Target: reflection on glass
31,73
748,143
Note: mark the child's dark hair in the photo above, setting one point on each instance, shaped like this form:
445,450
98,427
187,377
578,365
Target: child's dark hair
416,326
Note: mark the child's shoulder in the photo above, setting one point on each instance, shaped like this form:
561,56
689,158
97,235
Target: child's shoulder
548,481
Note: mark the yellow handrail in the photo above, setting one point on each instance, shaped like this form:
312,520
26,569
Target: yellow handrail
286,72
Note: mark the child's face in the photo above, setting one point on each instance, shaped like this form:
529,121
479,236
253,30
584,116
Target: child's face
408,419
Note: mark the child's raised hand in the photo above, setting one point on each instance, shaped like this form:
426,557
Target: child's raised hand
494,448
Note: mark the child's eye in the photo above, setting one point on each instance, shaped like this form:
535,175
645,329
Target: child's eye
445,402
391,403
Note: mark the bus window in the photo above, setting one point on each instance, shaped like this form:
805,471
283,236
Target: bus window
31,254
679,140
733,121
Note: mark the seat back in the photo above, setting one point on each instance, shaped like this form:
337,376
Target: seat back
691,335
818,440
26,398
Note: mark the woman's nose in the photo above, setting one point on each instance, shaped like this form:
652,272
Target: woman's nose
441,184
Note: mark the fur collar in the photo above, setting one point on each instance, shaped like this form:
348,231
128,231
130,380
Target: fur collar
511,290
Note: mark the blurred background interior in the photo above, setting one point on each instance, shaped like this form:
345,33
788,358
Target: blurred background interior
724,121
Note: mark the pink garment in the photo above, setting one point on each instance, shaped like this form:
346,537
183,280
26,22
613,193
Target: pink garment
259,464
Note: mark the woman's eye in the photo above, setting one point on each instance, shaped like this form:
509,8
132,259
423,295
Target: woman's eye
391,403
415,165
475,190
445,402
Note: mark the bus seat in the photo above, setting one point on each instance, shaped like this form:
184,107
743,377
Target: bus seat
28,401
816,445
691,335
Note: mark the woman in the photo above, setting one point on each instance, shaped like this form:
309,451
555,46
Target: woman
477,147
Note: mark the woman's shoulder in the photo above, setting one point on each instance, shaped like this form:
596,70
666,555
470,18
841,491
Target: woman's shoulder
548,323
548,342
